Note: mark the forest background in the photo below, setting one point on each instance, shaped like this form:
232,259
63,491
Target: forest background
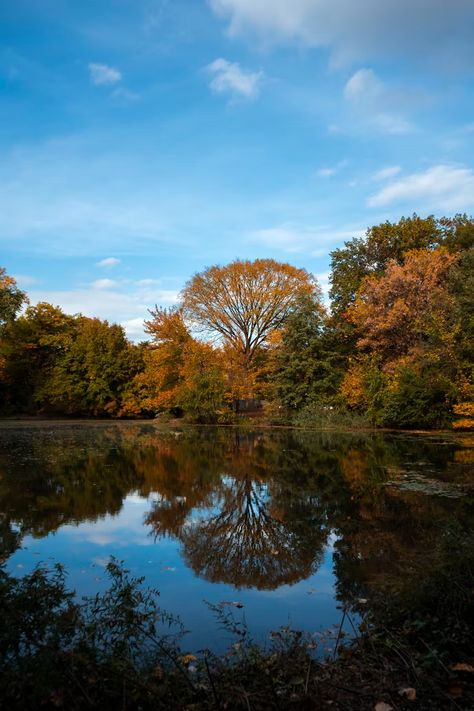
395,348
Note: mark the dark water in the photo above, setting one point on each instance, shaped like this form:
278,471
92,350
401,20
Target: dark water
292,525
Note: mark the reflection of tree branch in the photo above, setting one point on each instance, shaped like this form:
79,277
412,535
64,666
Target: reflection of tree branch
245,546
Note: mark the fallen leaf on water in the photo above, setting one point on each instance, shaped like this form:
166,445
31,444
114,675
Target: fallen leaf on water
382,706
462,666
409,693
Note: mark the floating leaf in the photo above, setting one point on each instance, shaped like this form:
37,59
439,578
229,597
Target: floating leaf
382,706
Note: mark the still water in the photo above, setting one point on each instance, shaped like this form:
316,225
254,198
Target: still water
286,527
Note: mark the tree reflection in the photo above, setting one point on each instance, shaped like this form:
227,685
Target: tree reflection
244,545
246,530
249,509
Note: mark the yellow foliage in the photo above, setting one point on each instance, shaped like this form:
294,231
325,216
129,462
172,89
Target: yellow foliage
464,408
465,412
464,424
353,387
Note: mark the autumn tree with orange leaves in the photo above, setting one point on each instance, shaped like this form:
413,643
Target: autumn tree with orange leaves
408,308
181,373
242,303
407,324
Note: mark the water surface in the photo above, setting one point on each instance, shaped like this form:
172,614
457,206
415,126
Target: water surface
292,525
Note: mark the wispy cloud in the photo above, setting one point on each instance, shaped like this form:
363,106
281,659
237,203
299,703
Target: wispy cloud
108,262
229,78
442,187
376,103
384,173
315,241
103,284
103,75
124,95
330,171
25,280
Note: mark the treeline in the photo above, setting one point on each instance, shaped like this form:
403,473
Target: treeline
395,348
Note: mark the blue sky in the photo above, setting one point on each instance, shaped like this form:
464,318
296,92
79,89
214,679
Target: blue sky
143,140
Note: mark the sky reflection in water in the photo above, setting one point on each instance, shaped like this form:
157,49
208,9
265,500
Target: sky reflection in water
290,524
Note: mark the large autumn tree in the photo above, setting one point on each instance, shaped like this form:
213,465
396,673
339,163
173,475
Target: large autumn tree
407,322
243,302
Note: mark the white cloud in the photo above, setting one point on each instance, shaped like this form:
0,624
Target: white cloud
376,103
103,284
299,239
360,30
229,78
134,328
102,74
364,87
323,281
330,171
128,309
108,262
384,173
442,187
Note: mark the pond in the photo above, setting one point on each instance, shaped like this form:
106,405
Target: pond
283,527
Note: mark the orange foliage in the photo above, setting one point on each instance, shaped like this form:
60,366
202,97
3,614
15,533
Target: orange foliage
243,302
408,306
161,377
465,412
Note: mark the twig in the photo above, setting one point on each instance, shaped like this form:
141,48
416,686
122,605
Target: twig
214,693
307,678
339,633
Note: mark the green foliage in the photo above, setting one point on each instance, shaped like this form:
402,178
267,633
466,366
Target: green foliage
70,365
397,349
361,257
305,367
31,346
370,255
203,395
11,298
330,417
61,653
91,375
420,397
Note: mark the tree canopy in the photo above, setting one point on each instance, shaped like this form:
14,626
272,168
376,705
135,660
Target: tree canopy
243,302
11,298
396,349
